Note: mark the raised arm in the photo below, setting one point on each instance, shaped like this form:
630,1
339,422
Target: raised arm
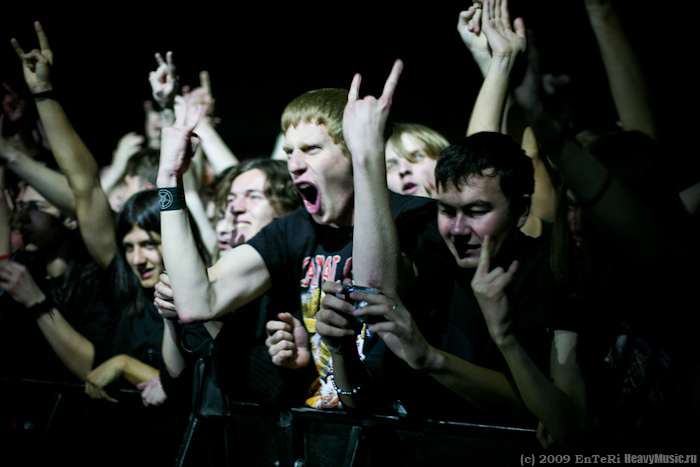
215,149
506,41
199,293
619,215
623,70
73,157
51,184
376,249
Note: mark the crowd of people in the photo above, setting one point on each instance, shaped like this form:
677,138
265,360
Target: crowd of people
523,275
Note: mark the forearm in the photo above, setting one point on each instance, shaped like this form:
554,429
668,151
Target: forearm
349,375
5,223
376,248
73,157
198,212
172,357
623,70
135,371
51,184
489,107
487,389
544,197
217,152
552,406
75,351
186,270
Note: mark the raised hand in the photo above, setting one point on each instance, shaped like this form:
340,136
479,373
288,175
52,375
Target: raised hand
178,144
469,28
364,120
164,81
505,39
36,63
127,146
201,95
489,288
288,342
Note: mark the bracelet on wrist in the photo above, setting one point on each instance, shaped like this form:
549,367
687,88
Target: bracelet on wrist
352,392
172,198
50,94
41,308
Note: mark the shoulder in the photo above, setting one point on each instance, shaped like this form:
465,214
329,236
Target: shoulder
402,204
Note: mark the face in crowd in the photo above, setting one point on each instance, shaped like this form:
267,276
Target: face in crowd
471,210
42,225
412,175
144,254
321,172
247,211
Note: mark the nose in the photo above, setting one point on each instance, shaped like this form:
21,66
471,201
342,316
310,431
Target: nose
137,256
460,225
296,164
237,206
404,167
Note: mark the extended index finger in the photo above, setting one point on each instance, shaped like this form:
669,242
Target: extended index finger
484,258
392,81
354,92
204,82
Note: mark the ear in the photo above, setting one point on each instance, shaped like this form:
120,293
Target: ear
525,212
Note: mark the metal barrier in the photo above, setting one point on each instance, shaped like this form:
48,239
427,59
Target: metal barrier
44,422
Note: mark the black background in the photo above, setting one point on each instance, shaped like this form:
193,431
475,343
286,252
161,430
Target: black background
260,55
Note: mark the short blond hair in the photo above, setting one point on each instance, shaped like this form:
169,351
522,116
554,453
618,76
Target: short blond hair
431,141
322,107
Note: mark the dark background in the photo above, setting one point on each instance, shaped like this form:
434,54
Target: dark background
260,55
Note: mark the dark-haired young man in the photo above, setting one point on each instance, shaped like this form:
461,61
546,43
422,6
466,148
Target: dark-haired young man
484,185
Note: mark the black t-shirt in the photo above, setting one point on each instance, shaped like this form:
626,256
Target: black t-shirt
449,317
300,255
138,334
76,295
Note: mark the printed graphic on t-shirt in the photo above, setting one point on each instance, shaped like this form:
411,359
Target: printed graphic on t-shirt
319,269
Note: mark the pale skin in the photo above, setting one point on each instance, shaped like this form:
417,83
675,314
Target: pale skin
239,277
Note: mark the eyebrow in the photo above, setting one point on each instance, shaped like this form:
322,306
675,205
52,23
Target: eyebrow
247,192
476,204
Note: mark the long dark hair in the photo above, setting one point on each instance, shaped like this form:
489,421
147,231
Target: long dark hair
142,210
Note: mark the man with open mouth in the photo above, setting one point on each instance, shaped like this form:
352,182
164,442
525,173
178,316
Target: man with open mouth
290,258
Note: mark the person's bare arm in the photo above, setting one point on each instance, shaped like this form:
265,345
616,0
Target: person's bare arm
622,67
73,157
506,41
200,294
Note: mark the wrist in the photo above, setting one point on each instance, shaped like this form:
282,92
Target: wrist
432,361
168,179
505,342
40,88
41,307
